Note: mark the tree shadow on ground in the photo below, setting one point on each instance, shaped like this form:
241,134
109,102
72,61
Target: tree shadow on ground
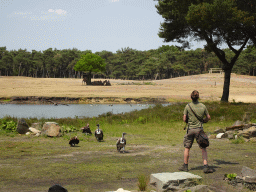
222,162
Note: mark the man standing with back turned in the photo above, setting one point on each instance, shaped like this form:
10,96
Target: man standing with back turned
195,111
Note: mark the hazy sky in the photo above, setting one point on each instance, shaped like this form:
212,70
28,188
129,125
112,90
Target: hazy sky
83,24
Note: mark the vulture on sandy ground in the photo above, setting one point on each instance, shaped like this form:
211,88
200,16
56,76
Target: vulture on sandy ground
73,141
87,130
121,142
98,133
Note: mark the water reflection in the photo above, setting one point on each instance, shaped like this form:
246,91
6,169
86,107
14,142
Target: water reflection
64,111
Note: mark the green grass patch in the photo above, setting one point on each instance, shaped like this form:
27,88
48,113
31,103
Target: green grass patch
154,144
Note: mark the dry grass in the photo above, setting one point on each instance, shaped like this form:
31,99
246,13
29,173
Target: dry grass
242,88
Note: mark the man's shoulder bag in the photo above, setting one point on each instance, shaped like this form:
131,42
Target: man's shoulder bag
202,138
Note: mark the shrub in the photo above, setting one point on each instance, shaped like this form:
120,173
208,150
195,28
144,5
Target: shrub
142,182
231,176
68,129
8,125
238,140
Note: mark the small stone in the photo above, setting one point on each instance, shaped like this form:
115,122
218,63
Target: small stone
230,134
253,140
212,136
237,123
221,135
239,179
33,130
250,179
219,131
198,188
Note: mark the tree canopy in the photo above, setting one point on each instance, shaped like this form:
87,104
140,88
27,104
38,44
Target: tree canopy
90,62
230,22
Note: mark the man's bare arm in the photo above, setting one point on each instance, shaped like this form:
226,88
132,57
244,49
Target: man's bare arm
184,118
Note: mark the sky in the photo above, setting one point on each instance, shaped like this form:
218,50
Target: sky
94,25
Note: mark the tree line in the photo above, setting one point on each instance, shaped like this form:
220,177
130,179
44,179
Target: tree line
127,63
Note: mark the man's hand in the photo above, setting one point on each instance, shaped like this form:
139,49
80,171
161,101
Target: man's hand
206,119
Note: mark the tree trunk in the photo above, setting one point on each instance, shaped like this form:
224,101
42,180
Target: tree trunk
89,77
226,86
156,76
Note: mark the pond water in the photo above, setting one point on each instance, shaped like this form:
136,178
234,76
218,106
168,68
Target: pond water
64,111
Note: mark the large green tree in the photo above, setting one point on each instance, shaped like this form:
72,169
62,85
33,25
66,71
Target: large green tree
216,22
90,63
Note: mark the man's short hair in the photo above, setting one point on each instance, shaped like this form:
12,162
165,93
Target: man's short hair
195,95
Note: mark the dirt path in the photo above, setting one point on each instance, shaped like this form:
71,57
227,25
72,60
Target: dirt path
210,87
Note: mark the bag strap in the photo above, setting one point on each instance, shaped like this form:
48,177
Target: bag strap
196,115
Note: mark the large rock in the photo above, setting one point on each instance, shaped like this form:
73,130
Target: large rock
51,129
248,133
249,178
173,181
246,171
22,126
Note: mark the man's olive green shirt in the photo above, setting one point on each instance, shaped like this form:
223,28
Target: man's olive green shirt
199,109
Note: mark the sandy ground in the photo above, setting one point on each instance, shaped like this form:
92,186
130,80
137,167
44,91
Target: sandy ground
210,87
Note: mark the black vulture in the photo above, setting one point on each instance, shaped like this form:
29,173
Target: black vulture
57,188
87,129
73,141
121,142
98,133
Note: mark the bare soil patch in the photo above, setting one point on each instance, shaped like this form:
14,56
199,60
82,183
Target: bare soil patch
210,87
